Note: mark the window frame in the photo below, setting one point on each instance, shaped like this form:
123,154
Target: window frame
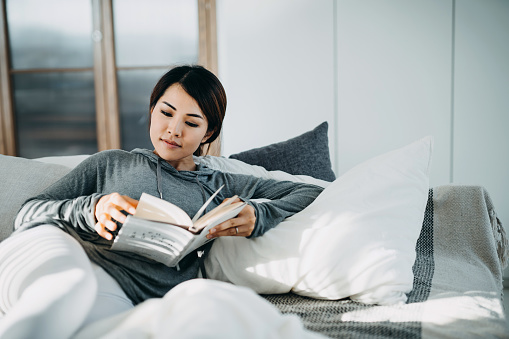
105,74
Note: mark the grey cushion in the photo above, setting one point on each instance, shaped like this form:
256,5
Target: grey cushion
21,179
306,154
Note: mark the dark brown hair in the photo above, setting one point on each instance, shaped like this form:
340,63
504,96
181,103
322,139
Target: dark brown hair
204,87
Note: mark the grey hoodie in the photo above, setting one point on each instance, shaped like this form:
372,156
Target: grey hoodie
70,205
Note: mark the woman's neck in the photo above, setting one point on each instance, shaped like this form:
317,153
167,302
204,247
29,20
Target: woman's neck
184,164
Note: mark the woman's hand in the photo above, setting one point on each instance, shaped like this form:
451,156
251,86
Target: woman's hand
108,208
242,225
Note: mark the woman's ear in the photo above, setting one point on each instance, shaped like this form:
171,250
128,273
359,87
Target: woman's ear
207,136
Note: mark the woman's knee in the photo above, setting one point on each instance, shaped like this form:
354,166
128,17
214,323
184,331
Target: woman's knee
44,252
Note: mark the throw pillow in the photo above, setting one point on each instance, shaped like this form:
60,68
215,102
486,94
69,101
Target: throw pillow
306,154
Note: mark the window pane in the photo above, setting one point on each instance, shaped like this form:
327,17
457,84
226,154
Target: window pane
155,32
55,113
134,89
50,33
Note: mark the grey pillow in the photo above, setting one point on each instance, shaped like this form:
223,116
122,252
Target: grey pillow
306,154
20,180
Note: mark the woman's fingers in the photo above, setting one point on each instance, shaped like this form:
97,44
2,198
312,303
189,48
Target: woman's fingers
122,202
108,221
109,209
113,204
101,230
131,204
114,212
242,225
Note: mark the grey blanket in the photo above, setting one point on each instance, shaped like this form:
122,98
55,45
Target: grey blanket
457,293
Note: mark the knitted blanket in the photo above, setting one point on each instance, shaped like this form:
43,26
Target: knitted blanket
457,293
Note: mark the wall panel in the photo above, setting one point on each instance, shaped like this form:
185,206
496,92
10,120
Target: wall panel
481,99
276,63
394,79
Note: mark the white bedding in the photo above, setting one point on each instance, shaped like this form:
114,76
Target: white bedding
201,309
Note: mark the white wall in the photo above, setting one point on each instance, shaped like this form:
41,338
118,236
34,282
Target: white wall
481,100
394,75
276,63
381,72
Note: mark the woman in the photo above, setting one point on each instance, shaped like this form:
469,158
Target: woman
73,276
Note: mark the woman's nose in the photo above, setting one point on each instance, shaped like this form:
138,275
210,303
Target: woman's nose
175,128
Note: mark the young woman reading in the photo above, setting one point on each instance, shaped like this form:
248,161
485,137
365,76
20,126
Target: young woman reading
57,271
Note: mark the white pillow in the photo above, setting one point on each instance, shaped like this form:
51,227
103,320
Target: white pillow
357,239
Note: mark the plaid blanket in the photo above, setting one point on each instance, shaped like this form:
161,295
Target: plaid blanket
457,292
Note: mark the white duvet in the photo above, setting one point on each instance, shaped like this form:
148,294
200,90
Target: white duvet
201,309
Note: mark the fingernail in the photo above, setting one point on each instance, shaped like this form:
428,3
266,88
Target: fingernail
213,230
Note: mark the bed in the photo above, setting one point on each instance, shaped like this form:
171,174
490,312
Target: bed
430,266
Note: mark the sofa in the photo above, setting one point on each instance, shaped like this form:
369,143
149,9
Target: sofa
379,254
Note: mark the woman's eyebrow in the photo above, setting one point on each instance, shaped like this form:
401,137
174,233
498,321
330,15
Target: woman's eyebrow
196,115
171,106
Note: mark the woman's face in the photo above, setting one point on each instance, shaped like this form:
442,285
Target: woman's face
177,128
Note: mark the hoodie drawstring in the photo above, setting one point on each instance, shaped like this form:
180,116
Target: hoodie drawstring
199,254
159,185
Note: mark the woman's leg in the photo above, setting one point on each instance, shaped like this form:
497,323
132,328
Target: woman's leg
47,285
110,299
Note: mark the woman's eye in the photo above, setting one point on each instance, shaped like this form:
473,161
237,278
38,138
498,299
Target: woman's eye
188,123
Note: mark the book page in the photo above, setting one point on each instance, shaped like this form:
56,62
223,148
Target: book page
201,238
219,212
155,240
155,209
199,225
202,209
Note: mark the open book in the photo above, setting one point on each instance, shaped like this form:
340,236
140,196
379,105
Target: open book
163,232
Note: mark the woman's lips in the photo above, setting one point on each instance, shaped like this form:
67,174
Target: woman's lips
170,143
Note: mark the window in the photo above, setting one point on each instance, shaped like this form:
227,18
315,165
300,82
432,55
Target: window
78,80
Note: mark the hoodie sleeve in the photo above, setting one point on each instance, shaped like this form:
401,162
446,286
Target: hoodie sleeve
71,200
285,199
